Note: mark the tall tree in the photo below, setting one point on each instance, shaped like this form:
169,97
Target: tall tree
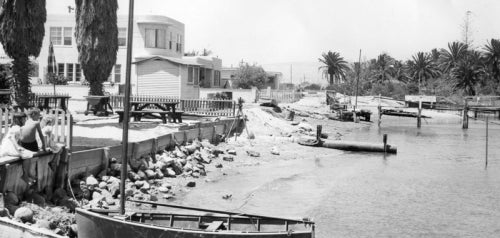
334,66
383,67
422,68
468,73
450,58
96,35
249,76
399,72
492,57
21,34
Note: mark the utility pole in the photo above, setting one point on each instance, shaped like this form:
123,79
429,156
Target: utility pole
291,79
357,80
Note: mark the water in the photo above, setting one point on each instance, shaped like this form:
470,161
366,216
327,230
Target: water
436,186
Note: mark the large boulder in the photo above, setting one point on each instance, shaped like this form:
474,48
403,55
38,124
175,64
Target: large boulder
24,214
150,174
91,181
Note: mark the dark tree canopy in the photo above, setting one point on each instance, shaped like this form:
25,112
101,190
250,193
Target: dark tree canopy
21,34
96,36
250,76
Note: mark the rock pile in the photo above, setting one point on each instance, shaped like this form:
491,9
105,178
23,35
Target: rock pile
146,175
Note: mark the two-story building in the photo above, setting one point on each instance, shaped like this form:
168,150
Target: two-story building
158,68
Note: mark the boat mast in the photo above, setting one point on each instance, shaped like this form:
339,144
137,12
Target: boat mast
126,106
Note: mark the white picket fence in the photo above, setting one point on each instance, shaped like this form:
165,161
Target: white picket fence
62,128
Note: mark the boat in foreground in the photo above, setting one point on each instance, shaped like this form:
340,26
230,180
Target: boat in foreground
101,223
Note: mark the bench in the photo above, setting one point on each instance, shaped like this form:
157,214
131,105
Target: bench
177,116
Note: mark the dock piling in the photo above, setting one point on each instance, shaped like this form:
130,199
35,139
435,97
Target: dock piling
379,107
465,116
486,159
385,143
419,115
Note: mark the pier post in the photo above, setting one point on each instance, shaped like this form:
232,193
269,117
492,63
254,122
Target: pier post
486,159
319,128
385,143
379,107
419,115
465,116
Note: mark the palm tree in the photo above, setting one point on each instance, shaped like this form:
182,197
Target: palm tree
21,34
422,68
96,35
399,71
492,57
449,58
468,72
335,66
383,67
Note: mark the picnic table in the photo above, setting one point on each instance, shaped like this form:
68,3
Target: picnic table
46,102
151,108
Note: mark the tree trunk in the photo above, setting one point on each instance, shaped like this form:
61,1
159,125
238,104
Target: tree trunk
331,79
20,70
96,88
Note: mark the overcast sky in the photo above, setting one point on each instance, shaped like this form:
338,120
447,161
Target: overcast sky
277,33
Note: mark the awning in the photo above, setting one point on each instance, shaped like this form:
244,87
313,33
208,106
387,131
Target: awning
170,59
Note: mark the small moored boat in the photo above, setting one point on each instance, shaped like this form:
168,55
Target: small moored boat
152,224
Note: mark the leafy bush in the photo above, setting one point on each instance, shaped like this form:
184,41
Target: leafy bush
57,79
5,76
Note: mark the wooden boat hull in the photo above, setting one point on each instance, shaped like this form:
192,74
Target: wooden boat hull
97,225
10,229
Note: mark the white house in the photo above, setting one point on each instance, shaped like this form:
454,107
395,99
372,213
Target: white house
158,68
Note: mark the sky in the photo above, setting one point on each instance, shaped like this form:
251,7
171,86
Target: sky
290,35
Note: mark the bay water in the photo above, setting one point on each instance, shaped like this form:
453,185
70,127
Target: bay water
436,185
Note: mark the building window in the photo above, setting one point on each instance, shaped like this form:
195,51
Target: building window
122,36
216,78
193,75
78,73
70,72
170,41
61,35
156,38
196,75
55,35
118,74
178,45
60,69
67,36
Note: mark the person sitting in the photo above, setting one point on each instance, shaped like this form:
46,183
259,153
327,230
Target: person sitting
29,131
11,147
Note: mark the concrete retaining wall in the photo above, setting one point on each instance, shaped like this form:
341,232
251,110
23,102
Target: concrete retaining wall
95,160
